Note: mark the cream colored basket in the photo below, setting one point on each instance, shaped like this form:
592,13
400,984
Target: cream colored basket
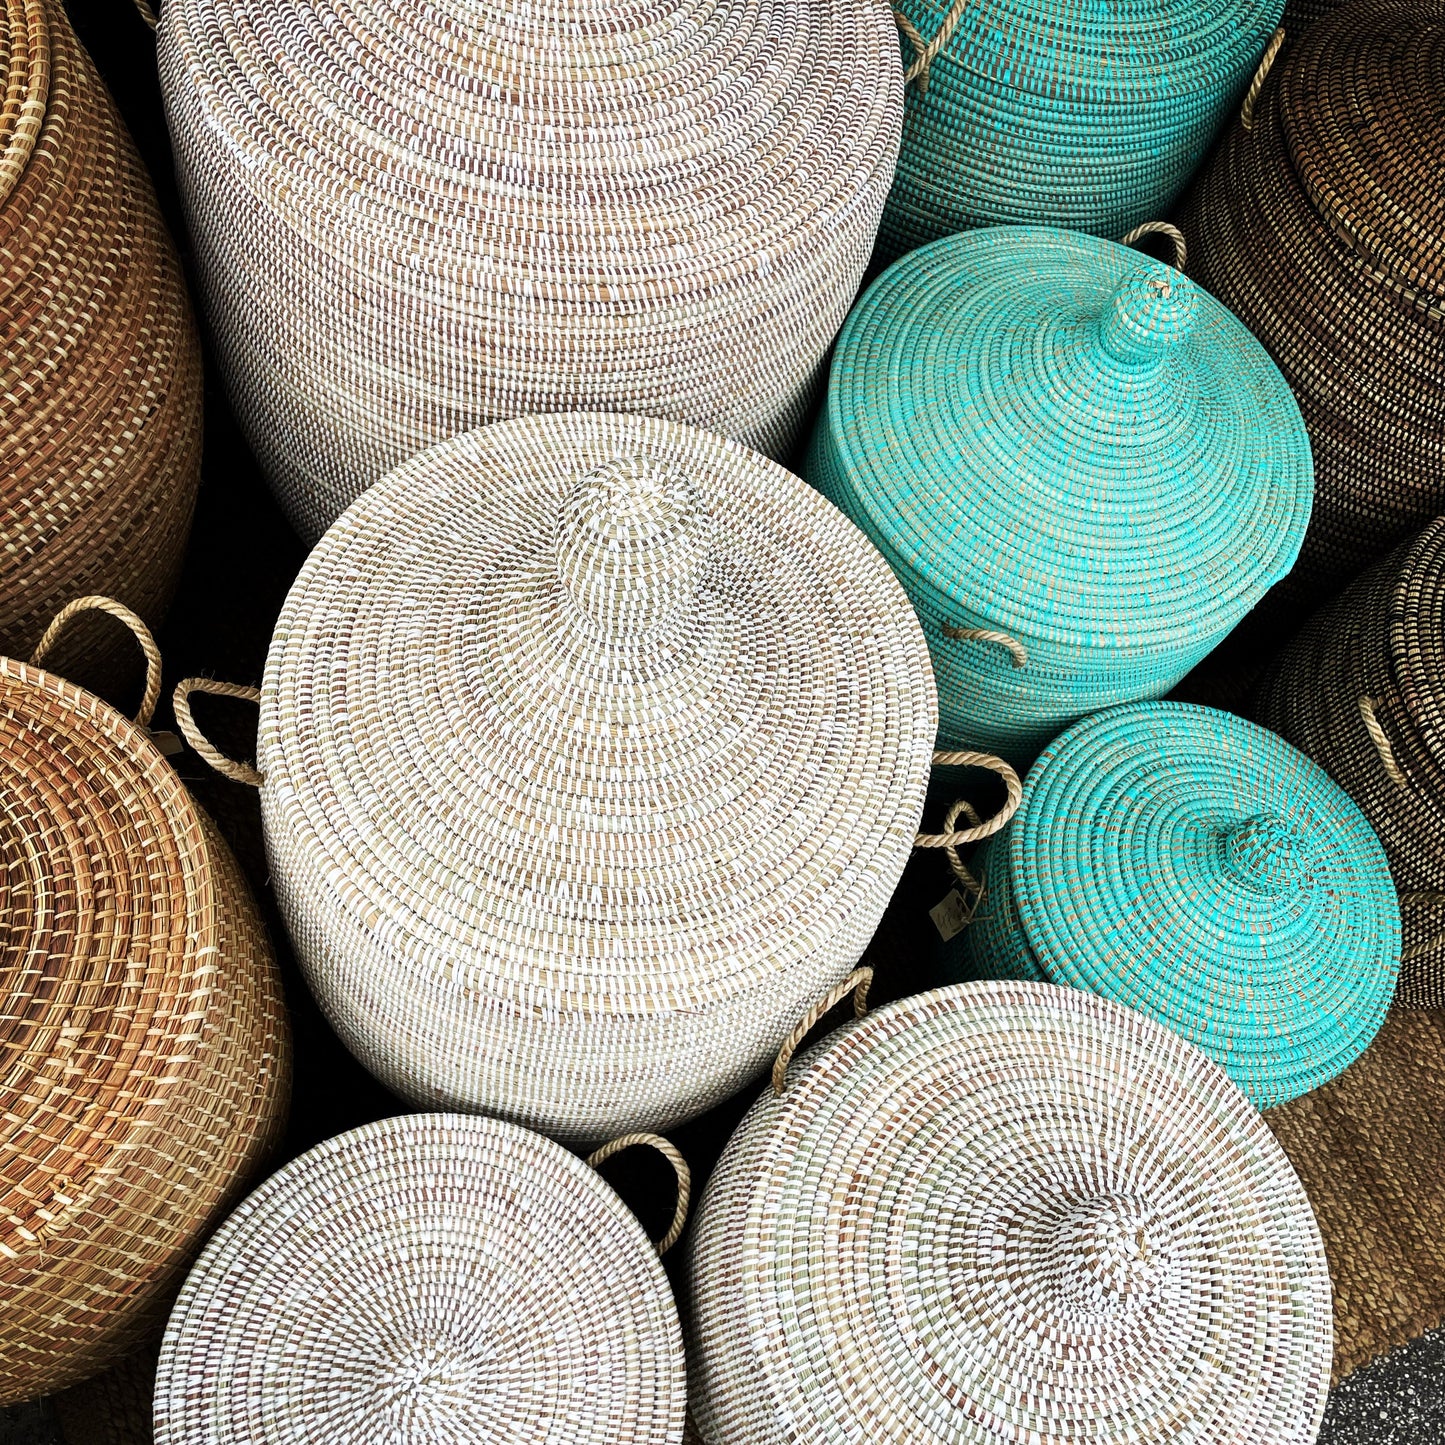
593,748
410,220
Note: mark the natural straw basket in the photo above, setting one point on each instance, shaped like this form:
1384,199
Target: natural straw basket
1362,691
1000,1213
410,221
1193,866
593,748
145,1061
1322,225
1088,116
100,370
429,1278
1083,469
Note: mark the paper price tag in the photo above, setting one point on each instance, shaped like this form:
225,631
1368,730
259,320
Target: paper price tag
950,917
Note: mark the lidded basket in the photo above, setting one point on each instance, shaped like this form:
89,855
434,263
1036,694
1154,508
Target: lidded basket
427,1278
662,208
144,1064
1360,691
1199,869
1083,469
100,366
591,750
1321,224
1004,1212
1086,116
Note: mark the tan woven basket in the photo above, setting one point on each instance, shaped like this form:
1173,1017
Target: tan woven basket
1001,1213
100,368
144,1058
593,748
431,1279
412,220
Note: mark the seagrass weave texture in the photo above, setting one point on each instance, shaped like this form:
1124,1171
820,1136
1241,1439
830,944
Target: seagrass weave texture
591,750
1000,1213
100,370
411,220
144,1061
1360,690
432,1278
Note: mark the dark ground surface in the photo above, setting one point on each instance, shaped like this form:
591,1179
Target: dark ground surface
242,559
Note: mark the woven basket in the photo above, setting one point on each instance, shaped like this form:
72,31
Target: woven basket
411,221
1323,227
593,748
1082,468
1001,1213
1362,691
145,1060
1193,866
1087,116
429,1278
100,370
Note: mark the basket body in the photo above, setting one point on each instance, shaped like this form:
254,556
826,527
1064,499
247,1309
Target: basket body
100,406
582,209
151,1074
1088,117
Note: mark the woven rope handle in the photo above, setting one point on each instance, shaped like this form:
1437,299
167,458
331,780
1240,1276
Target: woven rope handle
146,12
1382,743
1161,228
926,51
857,983
1435,940
1246,111
668,1150
963,758
181,706
1016,649
139,631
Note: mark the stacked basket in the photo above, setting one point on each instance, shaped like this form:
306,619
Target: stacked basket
1360,690
100,371
410,221
1321,223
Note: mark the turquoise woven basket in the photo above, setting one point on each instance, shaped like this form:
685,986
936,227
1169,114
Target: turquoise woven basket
1083,113
1198,868
1083,469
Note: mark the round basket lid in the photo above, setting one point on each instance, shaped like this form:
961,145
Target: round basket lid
1199,868
600,719
432,1277
1363,103
1058,437
1009,1212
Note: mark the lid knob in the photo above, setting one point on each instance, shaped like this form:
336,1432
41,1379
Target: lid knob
1108,1252
1151,310
632,540
1265,853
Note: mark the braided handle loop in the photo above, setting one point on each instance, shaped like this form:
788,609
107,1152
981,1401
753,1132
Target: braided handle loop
181,706
857,983
1382,743
1161,228
926,51
1246,111
139,631
1016,649
963,758
669,1151
146,12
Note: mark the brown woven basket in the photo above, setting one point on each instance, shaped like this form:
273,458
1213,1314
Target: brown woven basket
144,1054
1321,223
100,367
1362,691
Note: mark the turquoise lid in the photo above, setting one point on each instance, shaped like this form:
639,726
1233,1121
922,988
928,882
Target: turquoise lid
1198,868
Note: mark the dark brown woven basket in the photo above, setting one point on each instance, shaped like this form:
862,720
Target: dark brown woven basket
100,368
1300,14
1321,223
1362,691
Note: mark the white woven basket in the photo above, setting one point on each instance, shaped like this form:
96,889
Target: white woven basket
410,220
1007,1213
433,1279
593,748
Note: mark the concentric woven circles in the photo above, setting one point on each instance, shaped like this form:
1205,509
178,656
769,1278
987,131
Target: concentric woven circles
431,1278
1007,1212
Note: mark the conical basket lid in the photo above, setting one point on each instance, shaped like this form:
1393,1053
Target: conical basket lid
1196,867
1051,435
